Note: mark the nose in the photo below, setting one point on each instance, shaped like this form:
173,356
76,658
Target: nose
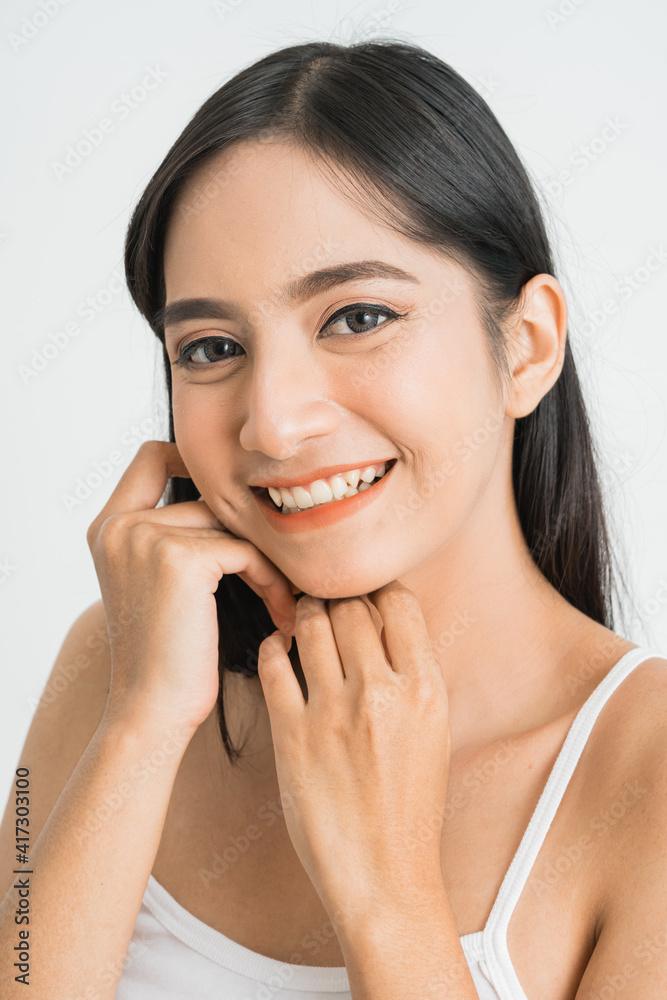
286,403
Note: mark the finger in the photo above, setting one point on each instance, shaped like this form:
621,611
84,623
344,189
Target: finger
267,581
278,591
280,605
405,632
188,514
318,652
238,556
144,481
359,645
241,557
282,692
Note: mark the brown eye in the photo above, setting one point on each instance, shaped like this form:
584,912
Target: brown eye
359,319
209,349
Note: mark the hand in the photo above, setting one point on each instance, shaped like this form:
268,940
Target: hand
365,761
158,570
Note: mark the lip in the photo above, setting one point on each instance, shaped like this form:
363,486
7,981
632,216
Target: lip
322,473
322,515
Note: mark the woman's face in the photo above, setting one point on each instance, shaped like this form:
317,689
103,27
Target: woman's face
284,390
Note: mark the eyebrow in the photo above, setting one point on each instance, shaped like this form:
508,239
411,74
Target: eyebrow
296,291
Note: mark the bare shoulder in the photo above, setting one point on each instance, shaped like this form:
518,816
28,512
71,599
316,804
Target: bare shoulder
627,780
70,709
74,697
635,712
631,940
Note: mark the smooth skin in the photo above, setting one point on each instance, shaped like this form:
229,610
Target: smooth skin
374,731
440,565
158,569
419,389
364,763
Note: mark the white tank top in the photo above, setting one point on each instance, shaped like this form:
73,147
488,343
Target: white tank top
175,956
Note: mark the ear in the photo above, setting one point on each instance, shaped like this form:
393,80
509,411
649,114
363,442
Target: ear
538,348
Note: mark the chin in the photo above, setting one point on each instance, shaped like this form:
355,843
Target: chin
338,587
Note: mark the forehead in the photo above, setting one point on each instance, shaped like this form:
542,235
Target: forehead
265,211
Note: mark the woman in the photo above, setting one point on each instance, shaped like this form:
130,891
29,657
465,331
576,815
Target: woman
451,781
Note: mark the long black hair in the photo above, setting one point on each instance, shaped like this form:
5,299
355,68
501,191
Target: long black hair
418,143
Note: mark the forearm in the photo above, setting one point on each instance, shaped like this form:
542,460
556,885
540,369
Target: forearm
90,864
408,949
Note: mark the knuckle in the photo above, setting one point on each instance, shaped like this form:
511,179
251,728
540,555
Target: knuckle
370,693
141,532
110,531
349,609
151,445
92,533
400,600
426,691
270,654
309,603
169,550
379,694
312,617
374,703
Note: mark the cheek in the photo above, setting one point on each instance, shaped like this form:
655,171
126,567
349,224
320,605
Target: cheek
450,422
453,389
199,429
430,397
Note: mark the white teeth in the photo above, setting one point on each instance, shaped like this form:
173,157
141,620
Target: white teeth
321,491
302,497
275,495
339,486
287,497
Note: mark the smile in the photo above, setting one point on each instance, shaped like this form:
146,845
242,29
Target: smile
330,499
341,486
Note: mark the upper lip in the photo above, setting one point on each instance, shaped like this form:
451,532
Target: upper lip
322,473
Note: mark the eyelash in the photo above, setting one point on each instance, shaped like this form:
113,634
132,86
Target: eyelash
189,349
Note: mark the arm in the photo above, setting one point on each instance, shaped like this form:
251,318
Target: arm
91,865
159,569
407,950
630,955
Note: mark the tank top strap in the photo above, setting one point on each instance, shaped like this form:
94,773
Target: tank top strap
495,932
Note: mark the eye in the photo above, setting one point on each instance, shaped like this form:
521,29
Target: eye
353,318
211,349
357,316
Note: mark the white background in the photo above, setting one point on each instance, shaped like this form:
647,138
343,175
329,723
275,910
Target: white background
554,73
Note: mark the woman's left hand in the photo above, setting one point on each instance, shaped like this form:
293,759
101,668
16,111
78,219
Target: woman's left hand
363,765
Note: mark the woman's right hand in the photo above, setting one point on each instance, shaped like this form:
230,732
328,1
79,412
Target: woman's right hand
158,569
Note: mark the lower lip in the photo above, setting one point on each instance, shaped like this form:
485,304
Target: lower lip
323,514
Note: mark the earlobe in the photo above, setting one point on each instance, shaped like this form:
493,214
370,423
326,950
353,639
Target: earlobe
538,344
